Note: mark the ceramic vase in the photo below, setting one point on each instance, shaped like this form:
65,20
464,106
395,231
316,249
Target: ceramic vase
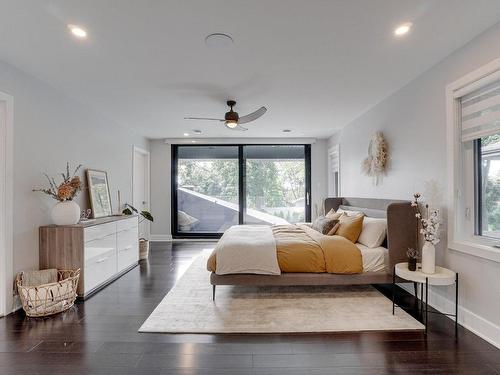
428,258
66,213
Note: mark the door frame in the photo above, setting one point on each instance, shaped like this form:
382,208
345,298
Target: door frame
6,205
242,183
147,173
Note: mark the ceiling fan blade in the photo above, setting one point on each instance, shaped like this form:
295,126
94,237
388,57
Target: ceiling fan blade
238,128
252,116
203,118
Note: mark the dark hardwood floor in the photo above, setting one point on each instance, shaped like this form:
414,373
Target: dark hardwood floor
99,336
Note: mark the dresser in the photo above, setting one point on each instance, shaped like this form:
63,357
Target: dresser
104,249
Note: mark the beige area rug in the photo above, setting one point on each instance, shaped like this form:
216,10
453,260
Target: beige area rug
188,308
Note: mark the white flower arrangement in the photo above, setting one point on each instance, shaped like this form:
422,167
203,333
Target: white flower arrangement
429,224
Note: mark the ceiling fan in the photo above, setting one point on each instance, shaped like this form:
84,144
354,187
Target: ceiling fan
232,120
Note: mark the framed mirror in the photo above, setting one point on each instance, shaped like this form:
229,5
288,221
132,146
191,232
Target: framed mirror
100,198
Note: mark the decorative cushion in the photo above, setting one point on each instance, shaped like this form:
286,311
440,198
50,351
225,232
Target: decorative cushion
349,212
324,224
185,221
350,227
334,215
334,229
373,232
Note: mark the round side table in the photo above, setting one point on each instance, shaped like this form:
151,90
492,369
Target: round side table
442,276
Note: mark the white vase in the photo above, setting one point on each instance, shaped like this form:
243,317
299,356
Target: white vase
66,213
428,258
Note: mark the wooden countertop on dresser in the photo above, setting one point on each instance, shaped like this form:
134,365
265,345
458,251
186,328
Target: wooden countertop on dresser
92,222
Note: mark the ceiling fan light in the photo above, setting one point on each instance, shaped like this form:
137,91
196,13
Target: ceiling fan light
231,124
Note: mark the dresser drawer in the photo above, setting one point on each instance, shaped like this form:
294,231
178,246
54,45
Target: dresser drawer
128,256
128,248
127,224
98,231
99,269
98,247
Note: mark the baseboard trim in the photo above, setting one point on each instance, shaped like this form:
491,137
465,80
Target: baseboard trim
478,325
160,237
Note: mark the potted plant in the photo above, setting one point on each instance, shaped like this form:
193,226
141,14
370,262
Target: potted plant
66,211
145,215
412,259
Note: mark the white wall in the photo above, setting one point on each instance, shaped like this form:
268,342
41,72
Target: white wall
160,180
49,130
161,162
413,121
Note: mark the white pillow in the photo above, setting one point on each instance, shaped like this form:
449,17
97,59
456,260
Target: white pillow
349,212
373,232
185,220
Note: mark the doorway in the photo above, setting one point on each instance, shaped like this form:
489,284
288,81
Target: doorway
6,207
141,187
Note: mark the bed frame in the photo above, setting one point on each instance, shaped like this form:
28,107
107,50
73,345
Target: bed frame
401,234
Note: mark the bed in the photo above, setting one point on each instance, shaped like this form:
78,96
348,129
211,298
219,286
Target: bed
378,263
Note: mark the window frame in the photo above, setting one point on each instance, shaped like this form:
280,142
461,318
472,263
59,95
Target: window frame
462,234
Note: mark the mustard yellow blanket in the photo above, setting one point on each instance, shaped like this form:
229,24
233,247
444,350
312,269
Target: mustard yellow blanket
302,249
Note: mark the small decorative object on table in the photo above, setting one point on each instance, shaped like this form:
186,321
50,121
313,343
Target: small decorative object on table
430,230
66,211
412,259
85,215
143,242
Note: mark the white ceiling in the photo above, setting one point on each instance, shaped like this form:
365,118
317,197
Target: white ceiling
316,65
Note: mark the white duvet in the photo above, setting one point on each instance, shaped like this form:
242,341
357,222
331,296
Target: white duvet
247,249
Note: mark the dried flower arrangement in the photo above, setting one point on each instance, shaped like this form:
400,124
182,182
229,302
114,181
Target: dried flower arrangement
67,189
430,223
376,162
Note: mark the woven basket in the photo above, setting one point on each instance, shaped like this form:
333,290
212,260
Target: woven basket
143,248
48,299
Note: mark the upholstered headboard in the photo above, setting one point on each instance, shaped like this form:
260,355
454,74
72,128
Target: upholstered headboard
401,222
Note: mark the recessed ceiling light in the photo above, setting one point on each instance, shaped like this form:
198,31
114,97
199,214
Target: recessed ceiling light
286,130
197,131
78,31
186,134
218,40
402,29
193,141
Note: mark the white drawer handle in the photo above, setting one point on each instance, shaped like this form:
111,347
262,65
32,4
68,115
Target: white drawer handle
101,260
127,248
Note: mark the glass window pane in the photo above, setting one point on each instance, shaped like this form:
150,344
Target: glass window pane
275,184
207,194
490,186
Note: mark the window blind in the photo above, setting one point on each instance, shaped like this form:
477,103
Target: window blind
480,112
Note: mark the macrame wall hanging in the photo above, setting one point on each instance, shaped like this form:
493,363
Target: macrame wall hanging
376,162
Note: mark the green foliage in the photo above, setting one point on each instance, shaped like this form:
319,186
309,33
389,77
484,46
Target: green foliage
147,215
485,141
269,183
490,190
129,209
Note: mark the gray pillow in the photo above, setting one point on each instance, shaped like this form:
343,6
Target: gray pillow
324,224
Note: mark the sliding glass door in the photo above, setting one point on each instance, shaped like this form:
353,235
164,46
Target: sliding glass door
217,186
275,184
